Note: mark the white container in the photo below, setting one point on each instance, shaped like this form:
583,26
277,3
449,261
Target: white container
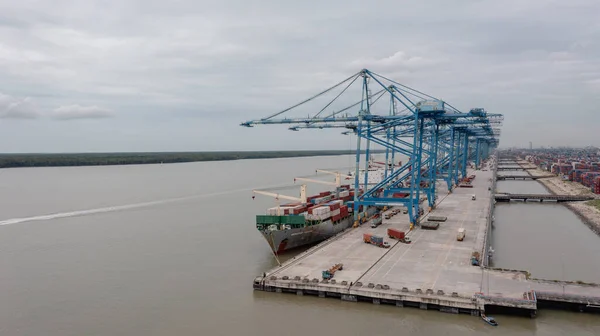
273,211
321,210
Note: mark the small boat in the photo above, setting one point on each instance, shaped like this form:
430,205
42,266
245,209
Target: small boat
490,320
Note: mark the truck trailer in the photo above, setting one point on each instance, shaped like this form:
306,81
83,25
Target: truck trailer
397,234
375,240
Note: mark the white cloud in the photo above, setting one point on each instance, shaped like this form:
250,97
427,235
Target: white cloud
17,108
233,60
399,61
70,112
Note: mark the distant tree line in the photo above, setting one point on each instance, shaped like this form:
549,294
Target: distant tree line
101,159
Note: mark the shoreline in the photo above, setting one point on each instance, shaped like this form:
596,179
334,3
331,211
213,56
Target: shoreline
588,214
38,160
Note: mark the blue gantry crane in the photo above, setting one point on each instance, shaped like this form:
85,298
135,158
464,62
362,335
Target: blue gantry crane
438,139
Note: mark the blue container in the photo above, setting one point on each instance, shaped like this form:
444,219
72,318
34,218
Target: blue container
377,239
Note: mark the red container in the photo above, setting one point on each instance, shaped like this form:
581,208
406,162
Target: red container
299,210
393,233
336,218
325,193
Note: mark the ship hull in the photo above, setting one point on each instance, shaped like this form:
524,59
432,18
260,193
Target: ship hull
285,240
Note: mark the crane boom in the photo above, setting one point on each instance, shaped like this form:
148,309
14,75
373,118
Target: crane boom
338,176
316,181
302,197
332,173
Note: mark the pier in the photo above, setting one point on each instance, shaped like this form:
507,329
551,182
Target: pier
434,272
541,197
501,168
519,177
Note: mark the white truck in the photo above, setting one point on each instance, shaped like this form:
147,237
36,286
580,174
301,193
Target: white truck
461,234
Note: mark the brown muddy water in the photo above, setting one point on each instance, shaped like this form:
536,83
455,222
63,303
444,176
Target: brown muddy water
172,250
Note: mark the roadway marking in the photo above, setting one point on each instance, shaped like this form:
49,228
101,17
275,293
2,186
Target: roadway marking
416,239
449,244
403,254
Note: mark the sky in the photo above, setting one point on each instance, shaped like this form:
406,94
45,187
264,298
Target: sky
133,75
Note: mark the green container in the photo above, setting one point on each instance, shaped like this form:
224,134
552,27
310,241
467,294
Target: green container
266,219
293,219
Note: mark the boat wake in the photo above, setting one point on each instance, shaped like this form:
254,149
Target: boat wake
116,208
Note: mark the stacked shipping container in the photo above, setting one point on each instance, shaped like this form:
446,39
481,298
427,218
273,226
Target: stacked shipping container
318,213
565,169
587,179
582,166
596,185
577,174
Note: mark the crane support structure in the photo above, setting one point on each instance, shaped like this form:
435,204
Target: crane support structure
440,141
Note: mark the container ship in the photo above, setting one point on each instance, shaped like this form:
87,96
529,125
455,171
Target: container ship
312,219
294,225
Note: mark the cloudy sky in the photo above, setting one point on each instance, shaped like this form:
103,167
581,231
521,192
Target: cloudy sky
150,75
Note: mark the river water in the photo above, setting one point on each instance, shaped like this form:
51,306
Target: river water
172,250
546,239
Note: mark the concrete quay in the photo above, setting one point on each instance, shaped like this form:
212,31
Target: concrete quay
433,272
541,197
519,177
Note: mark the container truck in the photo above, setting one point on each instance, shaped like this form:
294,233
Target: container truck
376,221
375,240
475,258
397,234
328,273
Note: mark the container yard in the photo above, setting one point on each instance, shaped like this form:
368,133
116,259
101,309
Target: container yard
578,166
